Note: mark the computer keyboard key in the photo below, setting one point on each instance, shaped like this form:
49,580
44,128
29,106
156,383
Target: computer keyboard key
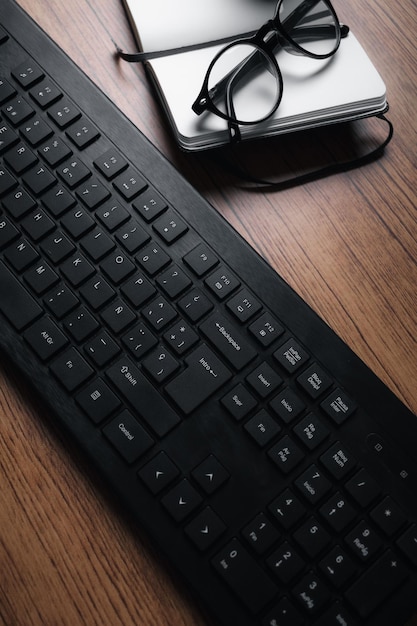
17,110
64,112
264,380
338,406
7,180
311,593
54,151
159,472
313,485
27,73
210,474
8,232
181,337
311,431
338,460
291,356
139,340
170,227
73,172
285,563
201,259
144,398
128,437
16,303
371,589
182,500
160,365
363,488
7,90
98,401
110,163
20,158
287,509
266,329
338,512
260,534
239,402
243,574
388,516
222,282
314,381
312,537
284,613
205,529
45,93
338,567
150,204
35,131
82,133
407,543
195,305
204,374
8,137
363,541
21,255
60,301
41,278
229,341
71,369
19,203
129,183
287,405
101,349
45,338
337,615
244,305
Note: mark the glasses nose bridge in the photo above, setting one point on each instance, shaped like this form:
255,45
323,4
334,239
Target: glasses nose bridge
270,27
270,35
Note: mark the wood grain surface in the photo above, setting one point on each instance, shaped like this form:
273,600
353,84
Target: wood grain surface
347,244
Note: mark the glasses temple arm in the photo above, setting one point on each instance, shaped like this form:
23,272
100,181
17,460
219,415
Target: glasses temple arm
141,57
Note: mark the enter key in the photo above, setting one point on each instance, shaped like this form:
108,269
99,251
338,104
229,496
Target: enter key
204,375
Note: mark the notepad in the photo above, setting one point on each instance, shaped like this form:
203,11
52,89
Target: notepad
316,92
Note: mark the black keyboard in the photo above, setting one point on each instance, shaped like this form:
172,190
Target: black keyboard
264,459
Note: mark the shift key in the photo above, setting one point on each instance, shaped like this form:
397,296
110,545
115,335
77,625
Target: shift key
142,396
204,374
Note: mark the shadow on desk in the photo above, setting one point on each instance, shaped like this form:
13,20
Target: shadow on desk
295,158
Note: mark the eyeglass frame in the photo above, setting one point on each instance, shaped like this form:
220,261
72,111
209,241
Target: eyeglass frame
263,41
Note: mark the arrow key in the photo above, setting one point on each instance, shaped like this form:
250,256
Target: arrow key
182,500
159,472
205,529
210,474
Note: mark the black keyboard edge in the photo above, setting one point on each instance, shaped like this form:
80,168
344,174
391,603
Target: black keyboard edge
387,411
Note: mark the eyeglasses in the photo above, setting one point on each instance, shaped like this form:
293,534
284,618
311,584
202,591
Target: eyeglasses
244,84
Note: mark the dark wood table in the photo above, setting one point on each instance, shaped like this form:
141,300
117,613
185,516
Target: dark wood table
347,244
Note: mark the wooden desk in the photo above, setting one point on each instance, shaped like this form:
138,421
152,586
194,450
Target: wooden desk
347,244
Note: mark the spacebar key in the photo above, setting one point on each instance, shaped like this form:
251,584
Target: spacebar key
15,302
142,396
204,374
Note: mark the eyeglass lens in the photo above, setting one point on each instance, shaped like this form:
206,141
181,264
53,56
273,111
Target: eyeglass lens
310,24
252,87
244,83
